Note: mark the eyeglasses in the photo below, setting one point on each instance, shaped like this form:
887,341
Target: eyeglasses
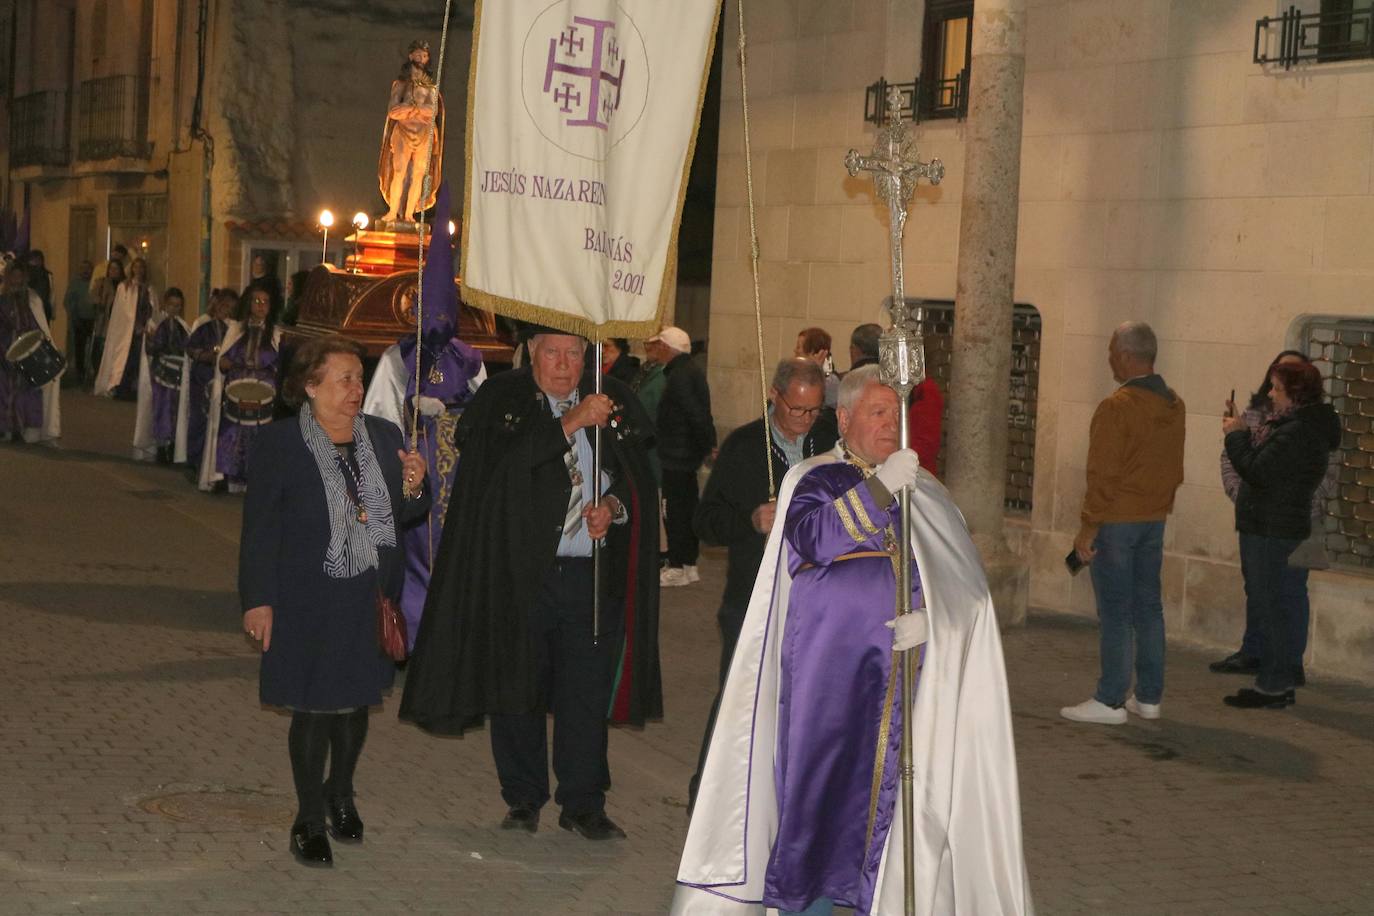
798,411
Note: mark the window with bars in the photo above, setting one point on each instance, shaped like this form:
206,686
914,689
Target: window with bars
1343,350
938,328
946,52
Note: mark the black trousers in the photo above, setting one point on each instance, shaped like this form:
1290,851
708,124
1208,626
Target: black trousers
576,676
680,504
81,340
730,617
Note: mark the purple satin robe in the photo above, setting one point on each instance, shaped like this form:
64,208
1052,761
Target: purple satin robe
21,407
445,374
837,677
235,441
208,336
168,339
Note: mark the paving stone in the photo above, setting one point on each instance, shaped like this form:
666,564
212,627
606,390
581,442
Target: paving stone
127,679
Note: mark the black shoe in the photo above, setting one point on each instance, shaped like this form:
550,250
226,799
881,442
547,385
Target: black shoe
344,823
311,847
522,817
594,825
1235,663
1253,699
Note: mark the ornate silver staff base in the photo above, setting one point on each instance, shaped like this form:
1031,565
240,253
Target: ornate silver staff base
896,168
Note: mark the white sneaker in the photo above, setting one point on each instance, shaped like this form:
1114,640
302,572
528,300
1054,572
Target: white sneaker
692,574
672,577
1094,712
1144,710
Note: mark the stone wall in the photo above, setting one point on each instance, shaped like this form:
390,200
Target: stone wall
1165,177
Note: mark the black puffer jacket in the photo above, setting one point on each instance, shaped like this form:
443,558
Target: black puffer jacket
686,431
1279,475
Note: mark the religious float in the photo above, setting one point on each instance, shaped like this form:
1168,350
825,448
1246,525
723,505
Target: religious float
373,298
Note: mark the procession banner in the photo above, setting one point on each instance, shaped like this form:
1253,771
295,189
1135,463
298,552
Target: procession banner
582,119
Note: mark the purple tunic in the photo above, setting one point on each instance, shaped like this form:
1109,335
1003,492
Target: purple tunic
206,337
445,374
169,339
21,407
235,442
837,678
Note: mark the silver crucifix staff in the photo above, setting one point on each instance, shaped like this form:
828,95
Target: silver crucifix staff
896,169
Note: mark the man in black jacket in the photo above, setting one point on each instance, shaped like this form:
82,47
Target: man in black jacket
686,435
508,625
737,510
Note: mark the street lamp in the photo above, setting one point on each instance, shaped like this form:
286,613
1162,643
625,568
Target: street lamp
326,220
360,222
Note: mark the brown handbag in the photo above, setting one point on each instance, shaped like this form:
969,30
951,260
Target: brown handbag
391,629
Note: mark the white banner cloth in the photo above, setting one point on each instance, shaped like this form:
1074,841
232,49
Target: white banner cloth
582,118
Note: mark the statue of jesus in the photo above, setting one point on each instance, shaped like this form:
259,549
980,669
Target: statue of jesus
414,115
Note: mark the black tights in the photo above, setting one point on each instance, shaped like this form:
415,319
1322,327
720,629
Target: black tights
315,737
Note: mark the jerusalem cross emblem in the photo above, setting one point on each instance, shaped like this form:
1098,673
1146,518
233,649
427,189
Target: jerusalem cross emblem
585,72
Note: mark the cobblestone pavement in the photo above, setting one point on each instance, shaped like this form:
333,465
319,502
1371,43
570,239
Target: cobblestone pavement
139,775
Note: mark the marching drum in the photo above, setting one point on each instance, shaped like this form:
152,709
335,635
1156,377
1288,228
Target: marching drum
248,402
35,358
167,370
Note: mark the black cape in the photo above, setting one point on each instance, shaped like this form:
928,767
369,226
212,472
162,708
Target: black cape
472,654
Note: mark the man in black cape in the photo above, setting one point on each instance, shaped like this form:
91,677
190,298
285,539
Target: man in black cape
507,630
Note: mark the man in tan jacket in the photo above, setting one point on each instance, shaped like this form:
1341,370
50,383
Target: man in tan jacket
1135,463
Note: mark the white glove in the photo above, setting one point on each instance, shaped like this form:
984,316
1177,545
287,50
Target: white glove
899,470
909,630
428,406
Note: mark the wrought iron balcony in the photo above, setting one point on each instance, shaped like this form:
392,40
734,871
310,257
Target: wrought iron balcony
112,119
1296,37
921,101
38,130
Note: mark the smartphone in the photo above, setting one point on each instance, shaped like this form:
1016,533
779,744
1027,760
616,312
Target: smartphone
1073,562
1231,410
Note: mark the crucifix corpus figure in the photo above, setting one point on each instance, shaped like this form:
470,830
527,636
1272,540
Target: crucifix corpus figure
413,140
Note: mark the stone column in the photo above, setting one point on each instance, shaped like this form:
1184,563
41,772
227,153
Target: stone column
976,464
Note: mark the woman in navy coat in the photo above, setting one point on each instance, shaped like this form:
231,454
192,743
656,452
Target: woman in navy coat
328,495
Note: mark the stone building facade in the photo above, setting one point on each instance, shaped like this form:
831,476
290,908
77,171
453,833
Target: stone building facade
100,100
1166,176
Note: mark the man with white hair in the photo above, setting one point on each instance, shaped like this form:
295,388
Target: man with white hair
686,435
1135,463
799,799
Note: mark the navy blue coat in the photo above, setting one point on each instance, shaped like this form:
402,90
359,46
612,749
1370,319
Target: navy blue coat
324,654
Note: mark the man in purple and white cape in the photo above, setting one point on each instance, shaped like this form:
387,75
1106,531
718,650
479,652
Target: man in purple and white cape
800,802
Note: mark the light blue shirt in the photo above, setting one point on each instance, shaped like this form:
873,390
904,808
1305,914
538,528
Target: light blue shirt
579,543
792,449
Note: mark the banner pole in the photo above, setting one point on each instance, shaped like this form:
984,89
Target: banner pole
596,501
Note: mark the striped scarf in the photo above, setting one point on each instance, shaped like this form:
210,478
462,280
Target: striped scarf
352,546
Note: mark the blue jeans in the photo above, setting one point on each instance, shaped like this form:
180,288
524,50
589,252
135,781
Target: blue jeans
1264,565
1130,610
1293,588
822,906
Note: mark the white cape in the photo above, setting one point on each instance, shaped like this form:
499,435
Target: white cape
145,446
118,334
208,474
968,857
50,428
386,392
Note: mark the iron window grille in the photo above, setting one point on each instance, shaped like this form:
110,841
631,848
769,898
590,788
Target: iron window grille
938,329
1343,350
112,119
1340,31
921,101
138,209
38,129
